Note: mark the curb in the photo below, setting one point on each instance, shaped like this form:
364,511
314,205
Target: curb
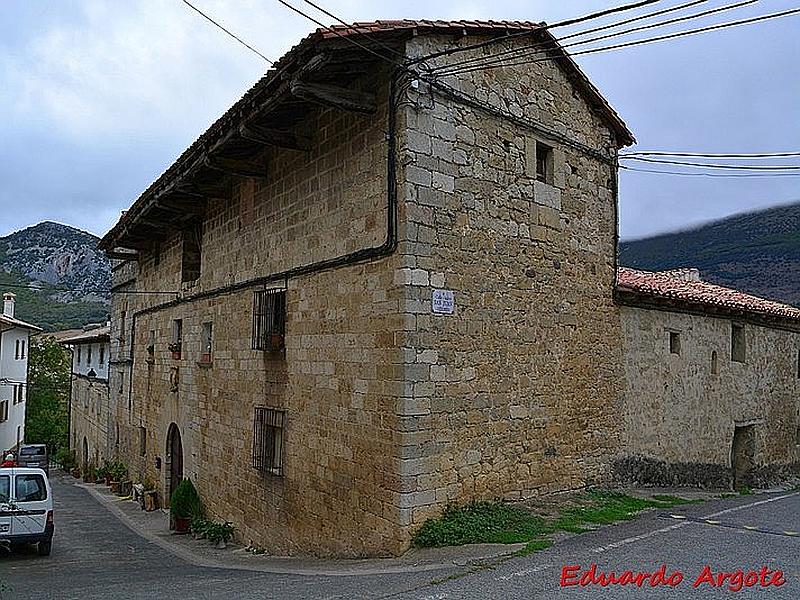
354,571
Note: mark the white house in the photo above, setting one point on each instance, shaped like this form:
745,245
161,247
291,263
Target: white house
89,399
14,342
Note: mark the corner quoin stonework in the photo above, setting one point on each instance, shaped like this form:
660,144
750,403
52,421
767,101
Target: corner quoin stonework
392,412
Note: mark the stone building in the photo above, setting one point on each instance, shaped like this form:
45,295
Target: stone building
14,344
92,425
373,289
712,377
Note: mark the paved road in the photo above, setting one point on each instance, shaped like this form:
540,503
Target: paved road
96,556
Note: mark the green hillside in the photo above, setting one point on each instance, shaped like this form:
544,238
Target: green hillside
755,252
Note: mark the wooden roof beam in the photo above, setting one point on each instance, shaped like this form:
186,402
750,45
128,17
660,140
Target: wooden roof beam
333,95
241,168
275,137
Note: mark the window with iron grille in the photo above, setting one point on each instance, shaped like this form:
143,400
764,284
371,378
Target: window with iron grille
269,320
268,441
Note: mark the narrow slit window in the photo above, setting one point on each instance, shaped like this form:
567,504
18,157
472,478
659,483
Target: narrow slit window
177,338
208,342
738,343
544,163
142,441
191,253
674,342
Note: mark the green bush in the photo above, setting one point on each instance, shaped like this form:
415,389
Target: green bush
66,458
185,502
118,471
219,532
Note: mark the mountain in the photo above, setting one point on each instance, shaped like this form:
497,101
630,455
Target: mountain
65,262
756,252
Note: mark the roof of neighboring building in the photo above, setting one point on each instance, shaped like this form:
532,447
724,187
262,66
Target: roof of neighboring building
684,287
7,322
95,334
270,86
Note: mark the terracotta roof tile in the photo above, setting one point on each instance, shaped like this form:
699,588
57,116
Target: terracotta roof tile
680,285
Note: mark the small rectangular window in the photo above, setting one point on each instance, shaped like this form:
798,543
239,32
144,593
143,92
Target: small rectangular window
268,441
16,350
142,441
177,338
191,253
3,411
269,320
151,343
89,355
544,163
122,318
738,343
22,354
674,342
80,352
207,341
102,354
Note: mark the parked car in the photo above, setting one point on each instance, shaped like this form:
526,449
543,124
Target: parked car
26,508
34,456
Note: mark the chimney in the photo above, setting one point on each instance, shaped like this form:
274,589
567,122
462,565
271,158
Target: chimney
8,304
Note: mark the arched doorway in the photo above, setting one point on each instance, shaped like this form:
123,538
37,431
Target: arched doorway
174,460
85,452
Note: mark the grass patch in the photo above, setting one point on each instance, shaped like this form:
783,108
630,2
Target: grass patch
481,523
497,522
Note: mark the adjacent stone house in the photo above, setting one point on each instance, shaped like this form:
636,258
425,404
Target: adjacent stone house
14,345
92,425
712,378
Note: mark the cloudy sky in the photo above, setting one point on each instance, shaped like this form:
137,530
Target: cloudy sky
98,97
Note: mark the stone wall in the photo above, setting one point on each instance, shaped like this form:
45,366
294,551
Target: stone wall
513,395
680,415
340,374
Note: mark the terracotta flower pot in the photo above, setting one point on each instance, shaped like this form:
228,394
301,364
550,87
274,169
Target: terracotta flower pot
182,524
114,487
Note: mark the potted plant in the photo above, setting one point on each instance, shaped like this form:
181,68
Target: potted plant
175,348
276,342
184,505
89,473
76,472
119,472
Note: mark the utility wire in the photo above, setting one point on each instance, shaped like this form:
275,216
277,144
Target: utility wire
742,155
734,175
41,288
355,28
679,34
230,33
483,59
337,33
714,165
565,23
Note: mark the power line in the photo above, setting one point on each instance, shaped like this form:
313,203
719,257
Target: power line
40,288
713,165
728,175
355,28
552,44
230,33
337,33
760,18
527,32
742,155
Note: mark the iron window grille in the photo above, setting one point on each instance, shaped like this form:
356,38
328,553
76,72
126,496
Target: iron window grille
269,320
268,427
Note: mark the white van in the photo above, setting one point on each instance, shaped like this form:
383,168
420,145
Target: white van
26,508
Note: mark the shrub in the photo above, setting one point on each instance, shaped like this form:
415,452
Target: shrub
185,502
66,458
118,471
219,532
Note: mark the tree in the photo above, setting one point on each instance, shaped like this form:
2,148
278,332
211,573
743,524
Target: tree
47,417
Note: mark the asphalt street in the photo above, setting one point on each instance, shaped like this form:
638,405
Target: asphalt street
95,555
